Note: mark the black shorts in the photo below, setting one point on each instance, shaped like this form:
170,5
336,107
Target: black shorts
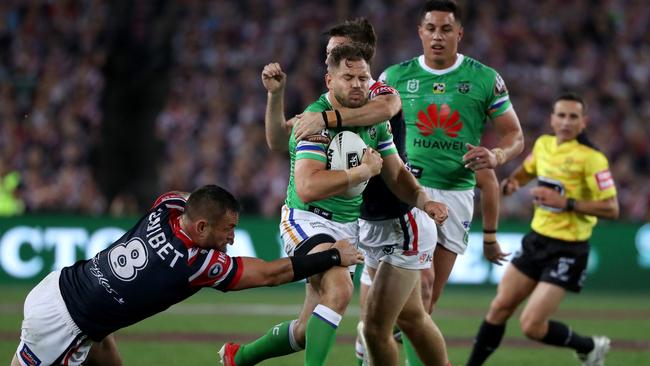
544,259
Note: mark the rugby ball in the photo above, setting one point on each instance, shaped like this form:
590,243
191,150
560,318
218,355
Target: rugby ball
345,151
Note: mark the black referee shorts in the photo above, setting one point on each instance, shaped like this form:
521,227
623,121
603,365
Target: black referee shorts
544,259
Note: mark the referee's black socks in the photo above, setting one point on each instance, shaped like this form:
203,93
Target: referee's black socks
560,335
487,340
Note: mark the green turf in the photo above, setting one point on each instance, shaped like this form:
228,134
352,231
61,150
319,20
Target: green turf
214,315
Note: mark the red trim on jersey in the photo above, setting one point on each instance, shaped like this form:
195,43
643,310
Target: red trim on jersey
240,271
604,179
166,196
175,223
379,88
414,227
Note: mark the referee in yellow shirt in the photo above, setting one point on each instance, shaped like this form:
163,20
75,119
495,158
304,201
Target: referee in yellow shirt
574,187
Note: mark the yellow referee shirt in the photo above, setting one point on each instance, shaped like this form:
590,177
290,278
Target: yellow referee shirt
576,171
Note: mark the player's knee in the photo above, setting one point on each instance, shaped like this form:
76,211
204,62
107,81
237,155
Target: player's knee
374,333
500,311
338,290
532,327
427,278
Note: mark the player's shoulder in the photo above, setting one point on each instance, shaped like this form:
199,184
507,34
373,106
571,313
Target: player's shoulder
321,104
473,65
398,68
173,199
592,154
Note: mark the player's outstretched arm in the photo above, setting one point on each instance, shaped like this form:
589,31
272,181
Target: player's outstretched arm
404,185
258,273
277,131
487,182
314,182
379,109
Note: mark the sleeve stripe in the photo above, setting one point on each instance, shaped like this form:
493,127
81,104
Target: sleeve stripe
310,148
499,102
238,272
384,146
203,266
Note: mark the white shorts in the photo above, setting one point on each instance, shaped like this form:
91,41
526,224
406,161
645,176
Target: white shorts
296,226
365,276
454,233
49,335
405,242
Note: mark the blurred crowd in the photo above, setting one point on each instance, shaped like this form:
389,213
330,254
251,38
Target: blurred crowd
51,82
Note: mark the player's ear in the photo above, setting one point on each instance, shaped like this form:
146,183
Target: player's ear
328,80
461,31
201,226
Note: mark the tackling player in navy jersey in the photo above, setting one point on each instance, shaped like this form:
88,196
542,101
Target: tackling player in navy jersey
172,252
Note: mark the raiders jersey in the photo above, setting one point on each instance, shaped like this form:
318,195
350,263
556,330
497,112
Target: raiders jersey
151,267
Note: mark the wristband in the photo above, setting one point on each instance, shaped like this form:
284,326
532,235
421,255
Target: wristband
338,118
570,204
324,115
489,237
489,231
492,242
331,117
500,154
308,265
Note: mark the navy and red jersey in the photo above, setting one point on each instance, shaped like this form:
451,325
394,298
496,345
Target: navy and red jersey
379,203
151,267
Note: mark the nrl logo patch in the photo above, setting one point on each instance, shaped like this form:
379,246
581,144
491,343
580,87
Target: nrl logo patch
413,85
463,87
438,88
353,160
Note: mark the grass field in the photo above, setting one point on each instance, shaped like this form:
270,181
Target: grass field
191,333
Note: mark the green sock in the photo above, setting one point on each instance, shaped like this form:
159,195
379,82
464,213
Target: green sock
276,342
320,335
412,358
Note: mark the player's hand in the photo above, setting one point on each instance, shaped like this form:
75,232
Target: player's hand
273,78
492,252
479,157
349,254
548,197
509,186
306,124
437,211
373,160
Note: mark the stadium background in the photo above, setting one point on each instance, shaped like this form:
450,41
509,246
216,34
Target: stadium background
104,104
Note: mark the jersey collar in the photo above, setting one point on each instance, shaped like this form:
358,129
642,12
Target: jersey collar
459,60
179,233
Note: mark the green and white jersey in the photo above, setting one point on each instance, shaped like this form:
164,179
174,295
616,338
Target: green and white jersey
444,110
336,208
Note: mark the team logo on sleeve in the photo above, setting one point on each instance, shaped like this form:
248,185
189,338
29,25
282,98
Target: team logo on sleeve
499,85
413,85
372,132
463,87
439,88
604,179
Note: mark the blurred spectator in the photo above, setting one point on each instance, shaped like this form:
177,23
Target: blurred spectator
51,55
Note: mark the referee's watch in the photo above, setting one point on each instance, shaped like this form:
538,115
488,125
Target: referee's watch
570,205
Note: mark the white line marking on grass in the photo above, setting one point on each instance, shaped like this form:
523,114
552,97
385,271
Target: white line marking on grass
243,309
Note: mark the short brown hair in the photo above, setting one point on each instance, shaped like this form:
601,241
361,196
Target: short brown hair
352,52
